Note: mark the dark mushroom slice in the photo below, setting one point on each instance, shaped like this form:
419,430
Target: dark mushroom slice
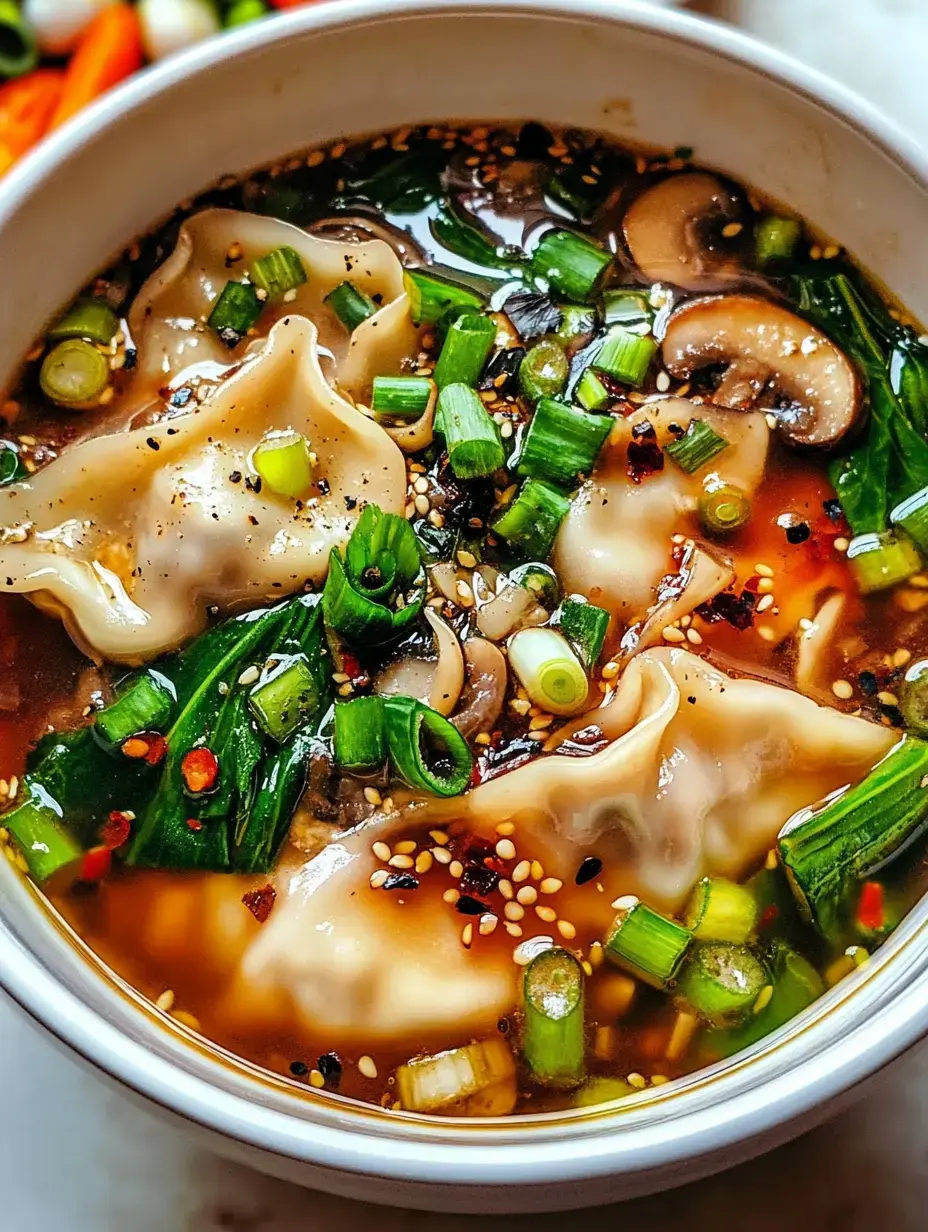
688,230
814,388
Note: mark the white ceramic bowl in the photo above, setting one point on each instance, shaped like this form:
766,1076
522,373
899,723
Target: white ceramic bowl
359,65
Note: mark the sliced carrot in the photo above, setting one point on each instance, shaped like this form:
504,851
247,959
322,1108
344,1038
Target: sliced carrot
110,49
26,109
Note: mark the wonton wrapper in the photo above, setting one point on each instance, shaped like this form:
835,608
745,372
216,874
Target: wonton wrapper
702,772
133,535
167,315
614,545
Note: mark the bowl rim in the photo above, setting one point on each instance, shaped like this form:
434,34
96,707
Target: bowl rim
440,1153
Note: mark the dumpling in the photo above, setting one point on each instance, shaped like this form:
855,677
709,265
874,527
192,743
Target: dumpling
167,318
132,535
701,773
343,958
614,545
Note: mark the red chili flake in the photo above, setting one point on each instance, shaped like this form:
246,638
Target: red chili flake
871,910
769,916
147,746
115,830
200,770
96,864
645,456
194,824
351,664
260,902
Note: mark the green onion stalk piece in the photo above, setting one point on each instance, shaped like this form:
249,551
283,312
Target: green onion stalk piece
88,318
562,443
531,522
775,240
284,462
591,393
544,371
584,625
879,561
37,828
697,447
602,1091
553,1034
360,734
74,373
376,591
427,751
241,12
572,264
466,347
646,944
721,910
628,308
911,516
724,508
541,580
471,437
284,698
279,272
722,982
913,698
235,312
401,397
431,295
350,305
19,53
146,705
625,356
476,1080
549,670
827,851
578,323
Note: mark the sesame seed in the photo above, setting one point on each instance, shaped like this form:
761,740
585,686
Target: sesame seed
464,593
378,877
421,485
505,888
401,861
436,518
765,585
442,855
381,851
373,796
766,633
901,657
765,602
537,871
841,544
345,690
597,954
422,503
551,885
520,705
467,559
670,634
487,924
482,738
566,929
763,571
424,861
315,159
249,675
514,930
316,1079
513,911
456,869
842,689
166,1001
540,722
531,948
467,935
637,1080
763,998
887,698
406,847
662,381
506,849
693,637
538,735
730,230
367,1067
830,251
504,828
527,895
610,671
451,896
439,837
548,914
522,871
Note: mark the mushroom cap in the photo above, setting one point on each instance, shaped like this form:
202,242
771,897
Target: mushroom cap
674,232
819,390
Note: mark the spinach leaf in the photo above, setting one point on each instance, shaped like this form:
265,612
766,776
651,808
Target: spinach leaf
461,234
11,467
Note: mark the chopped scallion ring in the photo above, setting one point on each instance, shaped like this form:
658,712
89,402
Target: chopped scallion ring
88,318
626,356
548,670
646,944
350,305
277,273
724,509
572,264
591,393
544,371
471,436
562,442
584,625
284,462
553,1035
466,347
911,515
775,239
74,373
697,447
235,312
426,750
531,522
430,296
285,698
401,397
360,734
879,561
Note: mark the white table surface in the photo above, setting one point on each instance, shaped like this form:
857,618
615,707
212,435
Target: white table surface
77,1157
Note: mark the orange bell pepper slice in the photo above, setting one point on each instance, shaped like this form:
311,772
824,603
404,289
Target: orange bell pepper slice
26,109
109,50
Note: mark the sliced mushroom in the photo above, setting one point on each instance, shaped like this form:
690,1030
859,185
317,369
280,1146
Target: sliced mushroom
816,388
674,232
437,682
815,641
483,695
503,606
702,575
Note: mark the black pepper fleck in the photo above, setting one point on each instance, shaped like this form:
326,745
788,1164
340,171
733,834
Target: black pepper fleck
798,533
299,1069
401,881
591,867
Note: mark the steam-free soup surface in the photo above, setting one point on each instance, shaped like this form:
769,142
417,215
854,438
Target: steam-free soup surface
462,616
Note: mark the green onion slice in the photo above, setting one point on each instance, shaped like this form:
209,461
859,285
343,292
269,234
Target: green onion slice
278,272
350,305
146,705
721,910
646,944
775,239
430,295
562,443
625,356
285,698
37,827
19,53
88,318
467,345
572,264
471,436
360,734
549,670
553,1035
284,462
235,312
530,523
724,508
696,447
584,625
544,370
401,397
629,309
74,373
722,982
591,393
377,589
428,752
577,326
879,561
